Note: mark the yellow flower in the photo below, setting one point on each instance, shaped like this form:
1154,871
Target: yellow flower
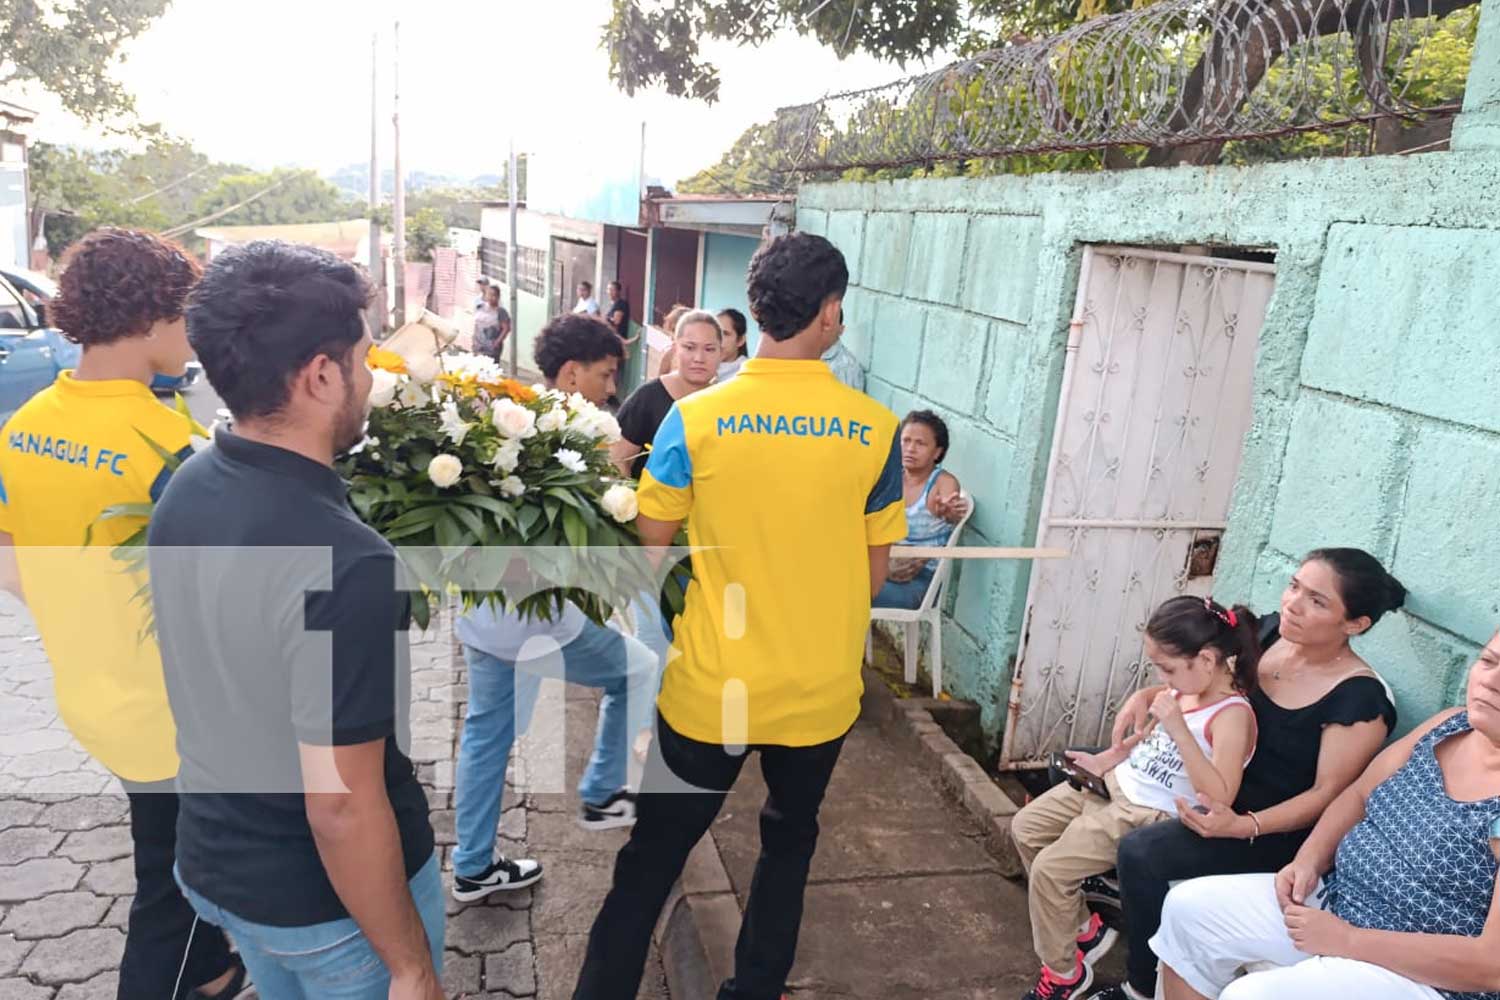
509,388
385,360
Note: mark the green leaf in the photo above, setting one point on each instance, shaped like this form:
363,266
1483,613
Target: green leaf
168,459
180,405
575,529
527,519
470,520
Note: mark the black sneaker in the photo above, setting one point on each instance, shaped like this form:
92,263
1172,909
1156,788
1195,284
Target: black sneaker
1095,942
502,876
1101,891
1049,986
616,811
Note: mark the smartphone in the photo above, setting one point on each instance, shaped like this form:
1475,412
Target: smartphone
1078,777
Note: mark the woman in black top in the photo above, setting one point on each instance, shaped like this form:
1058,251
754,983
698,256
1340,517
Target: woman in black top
1322,715
696,345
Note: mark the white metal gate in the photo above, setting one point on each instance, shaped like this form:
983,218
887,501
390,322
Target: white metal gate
1155,403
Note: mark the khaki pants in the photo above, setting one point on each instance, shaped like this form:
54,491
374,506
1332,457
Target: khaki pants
1063,837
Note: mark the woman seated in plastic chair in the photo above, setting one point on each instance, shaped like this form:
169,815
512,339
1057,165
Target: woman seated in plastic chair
934,504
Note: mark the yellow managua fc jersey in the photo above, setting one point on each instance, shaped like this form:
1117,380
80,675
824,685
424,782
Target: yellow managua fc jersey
786,477
70,452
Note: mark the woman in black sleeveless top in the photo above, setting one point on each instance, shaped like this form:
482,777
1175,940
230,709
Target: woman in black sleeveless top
1322,714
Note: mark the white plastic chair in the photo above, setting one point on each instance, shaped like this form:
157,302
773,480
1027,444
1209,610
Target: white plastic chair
929,611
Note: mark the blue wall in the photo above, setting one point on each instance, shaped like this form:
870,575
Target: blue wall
725,261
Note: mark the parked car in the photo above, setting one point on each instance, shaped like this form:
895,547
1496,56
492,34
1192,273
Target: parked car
37,291
31,354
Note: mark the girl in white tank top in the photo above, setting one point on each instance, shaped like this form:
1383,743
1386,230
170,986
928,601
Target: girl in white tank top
1202,737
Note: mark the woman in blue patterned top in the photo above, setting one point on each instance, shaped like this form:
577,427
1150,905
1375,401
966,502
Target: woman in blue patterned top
1393,895
934,504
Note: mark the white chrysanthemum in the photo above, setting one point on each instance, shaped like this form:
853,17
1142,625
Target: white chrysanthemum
570,460
554,419
512,419
454,425
445,470
512,486
619,503
476,366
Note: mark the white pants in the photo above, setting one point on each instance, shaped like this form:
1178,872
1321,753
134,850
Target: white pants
1213,927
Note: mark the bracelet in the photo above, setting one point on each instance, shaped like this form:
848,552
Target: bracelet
1256,821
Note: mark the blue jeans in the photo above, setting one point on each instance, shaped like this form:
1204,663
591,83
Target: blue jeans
906,595
652,629
332,961
502,695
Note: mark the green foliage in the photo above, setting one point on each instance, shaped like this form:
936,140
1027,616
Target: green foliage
1427,67
658,44
281,197
426,230
70,47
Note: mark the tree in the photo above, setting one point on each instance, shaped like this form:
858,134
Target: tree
748,168
425,232
281,197
1425,66
69,47
657,44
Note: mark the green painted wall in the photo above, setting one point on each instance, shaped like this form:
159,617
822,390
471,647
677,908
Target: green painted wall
1377,386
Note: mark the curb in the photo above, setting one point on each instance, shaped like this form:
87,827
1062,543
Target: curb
699,925
910,722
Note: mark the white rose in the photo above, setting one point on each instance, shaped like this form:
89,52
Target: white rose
383,387
512,419
508,456
619,503
445,470
570,460
512,486
554,419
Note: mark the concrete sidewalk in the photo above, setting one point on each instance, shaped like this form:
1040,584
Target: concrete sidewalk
905,899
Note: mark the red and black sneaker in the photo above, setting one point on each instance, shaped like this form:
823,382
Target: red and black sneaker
1051,986
1095,942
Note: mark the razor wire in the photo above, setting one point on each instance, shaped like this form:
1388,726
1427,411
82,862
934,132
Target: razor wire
1175,73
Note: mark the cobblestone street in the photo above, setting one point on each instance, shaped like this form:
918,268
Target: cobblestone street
65,870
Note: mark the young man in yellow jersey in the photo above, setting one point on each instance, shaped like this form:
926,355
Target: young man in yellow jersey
73,450
790,484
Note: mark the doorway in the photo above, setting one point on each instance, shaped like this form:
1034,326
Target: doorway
1155,402
572,261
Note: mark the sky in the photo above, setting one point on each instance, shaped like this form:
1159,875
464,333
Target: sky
287,83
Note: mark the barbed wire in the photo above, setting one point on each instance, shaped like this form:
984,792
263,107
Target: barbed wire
1177,73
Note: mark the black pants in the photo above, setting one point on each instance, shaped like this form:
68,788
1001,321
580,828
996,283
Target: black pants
669,823
1155,856
161,920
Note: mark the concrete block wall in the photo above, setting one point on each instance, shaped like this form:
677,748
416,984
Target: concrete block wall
939,319
1376,417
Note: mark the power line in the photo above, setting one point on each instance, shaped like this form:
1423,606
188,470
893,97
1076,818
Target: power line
176,231
168,187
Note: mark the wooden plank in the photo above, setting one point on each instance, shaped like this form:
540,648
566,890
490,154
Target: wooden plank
974,552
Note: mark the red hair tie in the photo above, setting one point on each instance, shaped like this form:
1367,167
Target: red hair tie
1227,616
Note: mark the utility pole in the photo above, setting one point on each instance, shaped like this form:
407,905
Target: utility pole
377,260
398,210
510,270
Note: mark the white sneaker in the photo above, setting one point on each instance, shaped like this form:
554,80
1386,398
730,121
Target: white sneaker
501,876
616,811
